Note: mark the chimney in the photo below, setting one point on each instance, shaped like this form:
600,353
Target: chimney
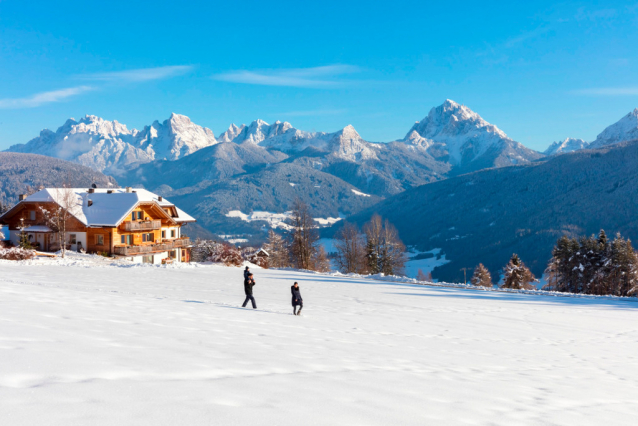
91,190
90,203
22,197
128,189
160,199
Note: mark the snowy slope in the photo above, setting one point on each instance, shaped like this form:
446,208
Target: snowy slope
565,146
168,346
111,147
625,129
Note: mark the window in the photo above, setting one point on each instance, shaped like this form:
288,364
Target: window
148,238
32,215
163,235
133,216
147,259
140,215
172,233
172,254
99,239
73,239
126,239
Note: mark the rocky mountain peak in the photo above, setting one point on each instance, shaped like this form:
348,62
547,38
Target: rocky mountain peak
623,130
567,145
465,134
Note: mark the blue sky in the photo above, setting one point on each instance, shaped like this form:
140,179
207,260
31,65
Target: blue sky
541,71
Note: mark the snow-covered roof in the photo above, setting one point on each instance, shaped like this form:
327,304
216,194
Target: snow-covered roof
37,229
105,209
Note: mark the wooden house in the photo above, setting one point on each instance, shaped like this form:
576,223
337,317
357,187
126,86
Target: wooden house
123,222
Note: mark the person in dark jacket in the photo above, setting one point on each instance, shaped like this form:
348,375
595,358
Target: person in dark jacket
246,272
249,283
296,299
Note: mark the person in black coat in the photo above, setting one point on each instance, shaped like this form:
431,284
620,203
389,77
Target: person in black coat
296,299
249,283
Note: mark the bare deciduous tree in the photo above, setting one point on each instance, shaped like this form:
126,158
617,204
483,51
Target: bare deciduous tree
350,247
304,236
278,251
59,217
320,261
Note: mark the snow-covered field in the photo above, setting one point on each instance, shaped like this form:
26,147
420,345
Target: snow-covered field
88,343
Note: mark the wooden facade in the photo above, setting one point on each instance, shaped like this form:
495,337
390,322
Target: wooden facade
146,230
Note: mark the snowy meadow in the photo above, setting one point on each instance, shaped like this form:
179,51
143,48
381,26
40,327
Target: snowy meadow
87,341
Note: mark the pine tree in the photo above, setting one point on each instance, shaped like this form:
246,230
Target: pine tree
517,275
481,277
384,250
304,236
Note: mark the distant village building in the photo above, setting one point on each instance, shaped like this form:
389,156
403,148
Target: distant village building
124,222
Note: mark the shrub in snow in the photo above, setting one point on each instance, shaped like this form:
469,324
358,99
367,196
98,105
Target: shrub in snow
517,275
421,276
227,254
481,277
16,253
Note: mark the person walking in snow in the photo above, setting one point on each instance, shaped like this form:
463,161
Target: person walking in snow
249,283
246,272
296,299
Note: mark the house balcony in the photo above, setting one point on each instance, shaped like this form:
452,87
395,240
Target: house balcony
165,245
149,225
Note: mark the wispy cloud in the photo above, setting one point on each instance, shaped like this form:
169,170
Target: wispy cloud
317,77
608,91
310,113
583,14
43,98
527,35
139,75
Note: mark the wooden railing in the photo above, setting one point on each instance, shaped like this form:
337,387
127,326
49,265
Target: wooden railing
152,248
142,226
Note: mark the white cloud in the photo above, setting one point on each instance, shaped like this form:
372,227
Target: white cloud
317,77
142,74
609,91
43,98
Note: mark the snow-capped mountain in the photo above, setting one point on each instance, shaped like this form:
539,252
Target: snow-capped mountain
567,145
345,143
111,147
175,138
255,133
456,134
626,129
457,127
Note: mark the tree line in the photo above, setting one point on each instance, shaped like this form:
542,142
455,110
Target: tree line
376,249
587,265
